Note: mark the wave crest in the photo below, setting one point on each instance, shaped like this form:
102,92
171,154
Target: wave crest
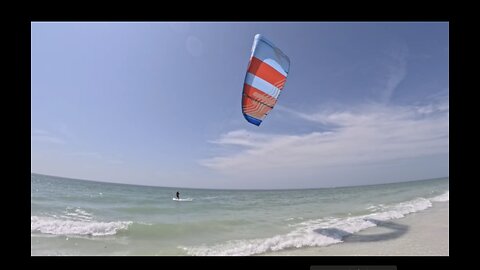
50,225
319,232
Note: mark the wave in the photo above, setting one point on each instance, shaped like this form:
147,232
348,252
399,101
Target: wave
319,232
57,226
77,214
376,208
441,198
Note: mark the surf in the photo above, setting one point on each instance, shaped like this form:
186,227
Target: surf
183,200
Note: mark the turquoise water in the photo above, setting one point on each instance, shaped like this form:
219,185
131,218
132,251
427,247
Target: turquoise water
76,217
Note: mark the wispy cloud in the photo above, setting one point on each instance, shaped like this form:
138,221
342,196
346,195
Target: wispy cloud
65,132
37,131
244,138
97,157
115,161
43,136
363,135
396,72
94,155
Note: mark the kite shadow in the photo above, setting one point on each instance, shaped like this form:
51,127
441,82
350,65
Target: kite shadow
397,230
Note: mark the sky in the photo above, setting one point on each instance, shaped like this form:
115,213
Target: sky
159,103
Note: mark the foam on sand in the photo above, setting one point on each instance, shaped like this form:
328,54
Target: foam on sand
315,233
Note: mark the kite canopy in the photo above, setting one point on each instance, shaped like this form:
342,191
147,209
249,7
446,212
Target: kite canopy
266,76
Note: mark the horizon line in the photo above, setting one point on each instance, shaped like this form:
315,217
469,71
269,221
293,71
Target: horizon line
239,189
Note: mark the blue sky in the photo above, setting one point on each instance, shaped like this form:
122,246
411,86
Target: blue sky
160,104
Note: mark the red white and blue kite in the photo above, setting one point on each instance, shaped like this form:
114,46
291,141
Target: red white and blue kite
266,76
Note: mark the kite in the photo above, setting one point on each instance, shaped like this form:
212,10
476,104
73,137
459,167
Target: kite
265,79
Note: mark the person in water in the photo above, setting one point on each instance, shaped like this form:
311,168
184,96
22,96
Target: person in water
178,195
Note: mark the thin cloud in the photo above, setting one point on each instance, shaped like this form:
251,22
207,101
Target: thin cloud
43,136
65,132
94,155
115,161
97,157
243,138
366,135
396,72
39,132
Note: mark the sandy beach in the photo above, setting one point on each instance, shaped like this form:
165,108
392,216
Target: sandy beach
424,233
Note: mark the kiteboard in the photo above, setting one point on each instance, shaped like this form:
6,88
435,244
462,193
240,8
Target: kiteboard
183,200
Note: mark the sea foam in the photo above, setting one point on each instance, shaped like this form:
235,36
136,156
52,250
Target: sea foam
441,198
58,226
318,232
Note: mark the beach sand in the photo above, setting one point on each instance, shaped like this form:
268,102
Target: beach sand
424,233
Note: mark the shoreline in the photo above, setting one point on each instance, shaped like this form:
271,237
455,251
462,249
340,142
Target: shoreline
424,233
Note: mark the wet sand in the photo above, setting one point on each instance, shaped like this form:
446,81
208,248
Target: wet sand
424,233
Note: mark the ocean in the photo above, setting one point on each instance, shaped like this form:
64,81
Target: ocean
78,217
